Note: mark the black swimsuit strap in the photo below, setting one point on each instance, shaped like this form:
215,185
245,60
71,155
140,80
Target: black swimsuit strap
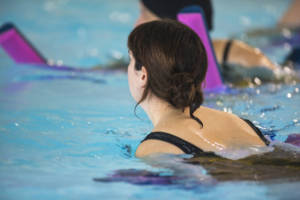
189,148
258,132
185,146
226,51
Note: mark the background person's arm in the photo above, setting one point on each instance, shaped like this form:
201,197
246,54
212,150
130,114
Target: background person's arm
291,18
242,54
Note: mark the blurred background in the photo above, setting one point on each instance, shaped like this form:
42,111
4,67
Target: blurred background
83,33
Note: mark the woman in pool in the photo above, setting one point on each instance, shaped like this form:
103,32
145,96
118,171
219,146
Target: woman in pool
227,51
167,68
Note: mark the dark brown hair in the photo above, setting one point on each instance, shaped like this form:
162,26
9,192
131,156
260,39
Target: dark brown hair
175,60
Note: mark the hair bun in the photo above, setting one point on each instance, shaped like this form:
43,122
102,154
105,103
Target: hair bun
182,79
183,90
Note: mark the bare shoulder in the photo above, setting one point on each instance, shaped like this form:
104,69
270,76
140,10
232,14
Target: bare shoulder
220,118
152,146
210,112
228,129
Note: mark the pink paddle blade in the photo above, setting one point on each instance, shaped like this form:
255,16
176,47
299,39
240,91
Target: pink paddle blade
192,17
18,47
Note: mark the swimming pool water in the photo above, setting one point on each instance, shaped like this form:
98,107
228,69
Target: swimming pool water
59,130
58,134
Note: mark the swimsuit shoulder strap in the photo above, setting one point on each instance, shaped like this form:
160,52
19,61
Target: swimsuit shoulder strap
185,146
257,131
226,51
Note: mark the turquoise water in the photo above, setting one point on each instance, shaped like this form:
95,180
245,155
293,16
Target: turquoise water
59,130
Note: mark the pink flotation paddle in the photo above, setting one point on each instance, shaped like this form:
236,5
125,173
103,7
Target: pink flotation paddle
22,51
193,17
17,47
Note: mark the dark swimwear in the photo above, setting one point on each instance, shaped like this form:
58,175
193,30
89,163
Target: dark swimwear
170,8
226,51
189,148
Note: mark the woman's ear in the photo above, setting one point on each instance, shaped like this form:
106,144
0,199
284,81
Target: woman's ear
143,76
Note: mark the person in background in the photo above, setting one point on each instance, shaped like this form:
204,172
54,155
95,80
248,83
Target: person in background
234,52
291,18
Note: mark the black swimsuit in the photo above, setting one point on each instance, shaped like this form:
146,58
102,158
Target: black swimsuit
227,48
189,148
